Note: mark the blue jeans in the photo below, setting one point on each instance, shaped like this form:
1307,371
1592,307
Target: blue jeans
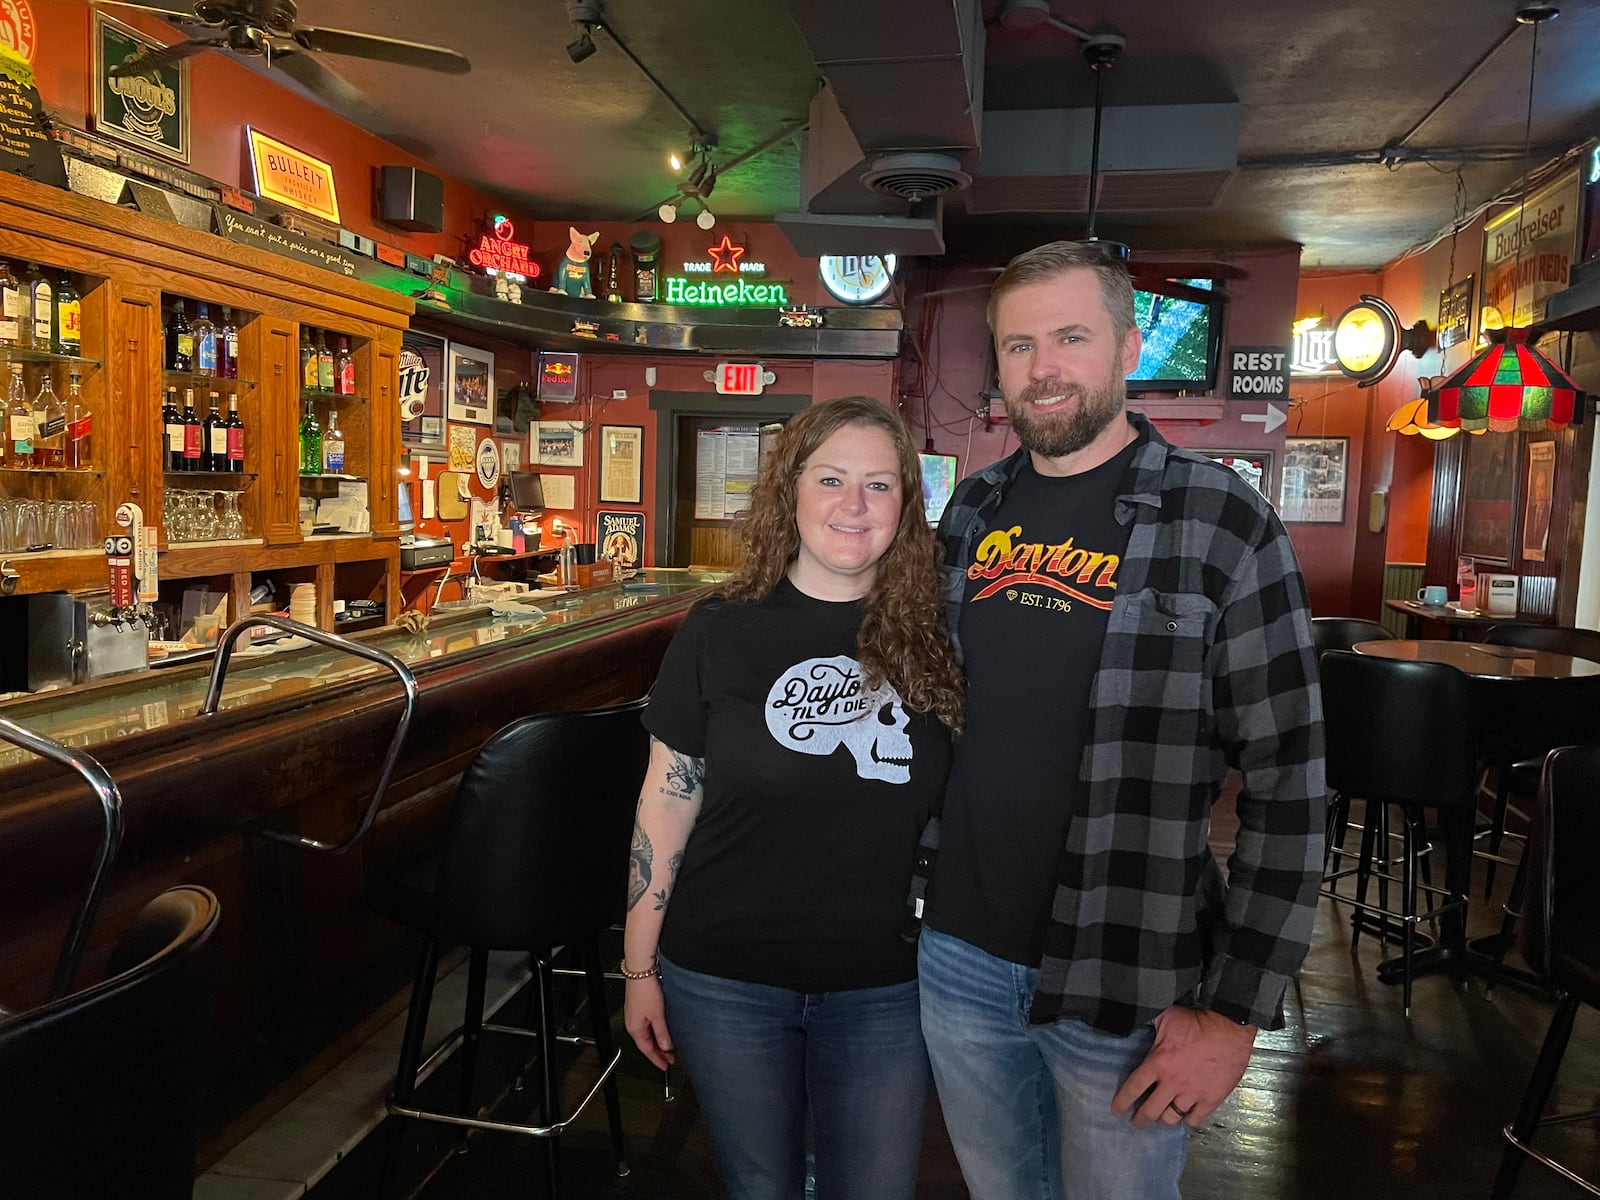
1029,1106
759,1057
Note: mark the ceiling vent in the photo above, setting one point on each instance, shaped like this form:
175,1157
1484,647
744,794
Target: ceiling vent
914,177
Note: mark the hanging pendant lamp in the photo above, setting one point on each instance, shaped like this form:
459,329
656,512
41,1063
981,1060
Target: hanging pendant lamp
1510,385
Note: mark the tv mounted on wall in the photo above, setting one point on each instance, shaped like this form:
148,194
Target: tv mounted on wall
1182,338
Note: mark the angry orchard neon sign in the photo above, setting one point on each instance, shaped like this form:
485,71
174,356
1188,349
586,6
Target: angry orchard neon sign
497,253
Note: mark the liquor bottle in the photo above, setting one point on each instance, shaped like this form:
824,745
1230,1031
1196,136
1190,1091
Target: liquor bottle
38,326
69,317
192,460
180,340
344,369
18,444
333,446
324,364
49,426
228,346
10,307
172,431
310,441
308,361
79,426
235,437
204,332
215,455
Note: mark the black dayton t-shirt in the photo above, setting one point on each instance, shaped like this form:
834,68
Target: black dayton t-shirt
1034,617
796,871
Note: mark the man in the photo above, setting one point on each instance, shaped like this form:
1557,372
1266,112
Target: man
1132,623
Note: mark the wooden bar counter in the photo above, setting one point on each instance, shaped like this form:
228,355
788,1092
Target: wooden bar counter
297,744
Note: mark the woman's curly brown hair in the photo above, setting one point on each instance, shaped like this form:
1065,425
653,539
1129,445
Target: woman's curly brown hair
903,638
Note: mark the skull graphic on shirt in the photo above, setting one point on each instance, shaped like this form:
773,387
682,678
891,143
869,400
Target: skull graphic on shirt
818,705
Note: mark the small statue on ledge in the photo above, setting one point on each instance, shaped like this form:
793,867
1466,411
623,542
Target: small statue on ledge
572,274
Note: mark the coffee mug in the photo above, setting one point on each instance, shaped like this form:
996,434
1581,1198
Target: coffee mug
1434,596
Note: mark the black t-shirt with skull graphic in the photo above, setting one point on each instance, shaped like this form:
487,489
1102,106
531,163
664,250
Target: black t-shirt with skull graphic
815,792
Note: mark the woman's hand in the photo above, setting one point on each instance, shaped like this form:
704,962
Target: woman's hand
644,1014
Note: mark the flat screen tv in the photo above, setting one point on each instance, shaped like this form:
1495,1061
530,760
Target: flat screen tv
527,492
1181,340
938,481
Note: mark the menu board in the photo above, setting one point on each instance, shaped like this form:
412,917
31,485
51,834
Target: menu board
26,147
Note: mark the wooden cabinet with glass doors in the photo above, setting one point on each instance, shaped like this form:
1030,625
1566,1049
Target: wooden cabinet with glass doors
158,307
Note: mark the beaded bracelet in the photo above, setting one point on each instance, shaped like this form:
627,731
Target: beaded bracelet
647,973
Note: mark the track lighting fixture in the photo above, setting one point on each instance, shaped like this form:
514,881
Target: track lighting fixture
582,46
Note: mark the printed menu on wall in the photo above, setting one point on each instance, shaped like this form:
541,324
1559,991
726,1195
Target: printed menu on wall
26,147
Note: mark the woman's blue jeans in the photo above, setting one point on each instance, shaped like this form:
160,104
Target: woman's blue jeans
761,1058
1028,1107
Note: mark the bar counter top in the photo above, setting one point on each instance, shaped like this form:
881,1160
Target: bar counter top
158,699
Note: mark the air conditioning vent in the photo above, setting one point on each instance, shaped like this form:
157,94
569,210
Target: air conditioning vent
914,177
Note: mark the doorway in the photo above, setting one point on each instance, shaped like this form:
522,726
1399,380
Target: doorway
706,449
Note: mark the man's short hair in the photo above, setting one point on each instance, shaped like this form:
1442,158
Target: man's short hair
1055,258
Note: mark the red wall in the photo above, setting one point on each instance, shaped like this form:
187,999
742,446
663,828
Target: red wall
226,96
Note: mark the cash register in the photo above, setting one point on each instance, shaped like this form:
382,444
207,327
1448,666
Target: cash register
418,550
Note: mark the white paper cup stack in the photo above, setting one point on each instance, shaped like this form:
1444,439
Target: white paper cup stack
303,603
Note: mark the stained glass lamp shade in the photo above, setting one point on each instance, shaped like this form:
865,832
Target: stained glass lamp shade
1506,387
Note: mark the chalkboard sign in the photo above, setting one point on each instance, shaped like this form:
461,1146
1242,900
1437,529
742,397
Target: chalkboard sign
26,147
251,231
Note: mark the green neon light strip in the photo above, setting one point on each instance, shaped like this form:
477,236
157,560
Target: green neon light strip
722,295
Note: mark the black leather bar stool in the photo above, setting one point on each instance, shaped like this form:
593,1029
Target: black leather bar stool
535,858
1402,736
100,1090
1560,938
1341,633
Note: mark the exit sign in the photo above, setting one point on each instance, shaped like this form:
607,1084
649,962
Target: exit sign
741,379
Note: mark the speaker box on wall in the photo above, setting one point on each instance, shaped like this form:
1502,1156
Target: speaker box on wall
411,199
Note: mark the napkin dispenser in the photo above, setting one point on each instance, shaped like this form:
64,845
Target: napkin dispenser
1499,595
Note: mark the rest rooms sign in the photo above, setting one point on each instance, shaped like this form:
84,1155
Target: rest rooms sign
1258,371
292,177
151,110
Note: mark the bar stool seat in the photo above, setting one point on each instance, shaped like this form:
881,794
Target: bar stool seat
535,858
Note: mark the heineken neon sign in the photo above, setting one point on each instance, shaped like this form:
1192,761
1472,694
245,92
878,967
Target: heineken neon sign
722,295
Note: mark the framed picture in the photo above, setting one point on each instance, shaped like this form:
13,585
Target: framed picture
1315,480
621,464
1537,495
422,391
150,111
1252,466
619,536
558,443
471,385
511,456
1488,498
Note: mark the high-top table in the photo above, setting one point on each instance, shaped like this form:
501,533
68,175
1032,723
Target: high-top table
1496,672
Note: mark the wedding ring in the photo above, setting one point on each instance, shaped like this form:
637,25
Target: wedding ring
1182,1112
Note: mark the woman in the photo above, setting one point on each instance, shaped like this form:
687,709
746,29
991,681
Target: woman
799,740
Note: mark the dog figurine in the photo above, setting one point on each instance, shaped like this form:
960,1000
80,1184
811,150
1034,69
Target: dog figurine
572,275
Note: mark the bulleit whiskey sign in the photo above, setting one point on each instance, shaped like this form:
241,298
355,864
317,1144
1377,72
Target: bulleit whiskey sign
149,110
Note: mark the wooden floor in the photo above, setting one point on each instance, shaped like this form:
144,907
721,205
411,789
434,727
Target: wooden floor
1349,1099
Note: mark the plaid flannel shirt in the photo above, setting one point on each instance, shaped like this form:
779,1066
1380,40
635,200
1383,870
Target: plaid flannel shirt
1207,663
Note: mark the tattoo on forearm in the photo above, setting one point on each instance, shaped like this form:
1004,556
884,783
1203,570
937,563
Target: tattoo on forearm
639,857
673,864
685,775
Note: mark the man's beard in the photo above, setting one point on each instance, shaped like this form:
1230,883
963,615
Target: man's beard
1056,435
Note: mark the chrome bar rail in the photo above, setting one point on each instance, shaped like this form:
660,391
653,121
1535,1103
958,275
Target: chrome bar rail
219,671
110,797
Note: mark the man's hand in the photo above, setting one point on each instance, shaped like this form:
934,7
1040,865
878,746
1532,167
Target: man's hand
1197,1060
645,1018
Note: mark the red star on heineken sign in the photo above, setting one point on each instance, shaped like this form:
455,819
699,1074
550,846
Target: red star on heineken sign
726,255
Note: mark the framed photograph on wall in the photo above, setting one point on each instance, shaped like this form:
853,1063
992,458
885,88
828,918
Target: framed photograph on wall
1252,466
1315,480
422,391
558,443
471,385
621,464
1488,498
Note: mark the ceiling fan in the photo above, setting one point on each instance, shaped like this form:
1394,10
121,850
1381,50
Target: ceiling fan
267,29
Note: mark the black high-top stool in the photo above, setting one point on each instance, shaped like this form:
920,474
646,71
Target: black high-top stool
535,858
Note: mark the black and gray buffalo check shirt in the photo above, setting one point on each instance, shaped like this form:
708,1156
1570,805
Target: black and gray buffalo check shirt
1207,664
